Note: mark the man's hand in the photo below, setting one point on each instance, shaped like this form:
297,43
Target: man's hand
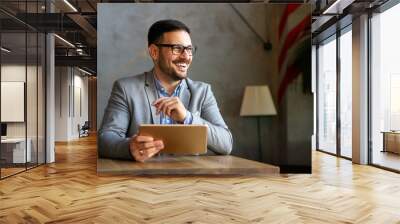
144,147
172,107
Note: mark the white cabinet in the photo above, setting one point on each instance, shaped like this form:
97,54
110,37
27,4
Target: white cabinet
16,149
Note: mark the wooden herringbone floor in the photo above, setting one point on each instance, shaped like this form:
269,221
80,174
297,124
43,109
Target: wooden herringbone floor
69,191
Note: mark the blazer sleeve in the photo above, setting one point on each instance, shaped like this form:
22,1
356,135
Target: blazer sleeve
219,137
112,140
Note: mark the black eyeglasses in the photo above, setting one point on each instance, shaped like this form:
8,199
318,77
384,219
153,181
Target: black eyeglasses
178,49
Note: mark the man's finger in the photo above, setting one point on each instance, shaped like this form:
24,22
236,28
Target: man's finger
148,153
165,100
159,144
159,100
171,102
143,138
151,152
143,154
170,108
167,104
139,156
161,105
148,145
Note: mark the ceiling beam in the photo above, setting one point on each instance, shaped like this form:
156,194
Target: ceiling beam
85,61
86,27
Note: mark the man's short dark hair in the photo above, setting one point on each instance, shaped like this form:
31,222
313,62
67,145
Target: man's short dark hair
163,26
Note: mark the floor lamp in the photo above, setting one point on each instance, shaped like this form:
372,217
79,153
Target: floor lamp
257,102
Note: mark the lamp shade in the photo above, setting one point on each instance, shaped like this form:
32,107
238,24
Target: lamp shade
257,101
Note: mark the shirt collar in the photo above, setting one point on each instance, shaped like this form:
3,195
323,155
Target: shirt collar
160,88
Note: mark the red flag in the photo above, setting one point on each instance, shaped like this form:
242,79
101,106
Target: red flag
294,28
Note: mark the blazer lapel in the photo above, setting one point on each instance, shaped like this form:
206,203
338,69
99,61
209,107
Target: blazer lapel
185,94
151,93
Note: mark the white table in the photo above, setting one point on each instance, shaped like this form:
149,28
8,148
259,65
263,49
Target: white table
18,149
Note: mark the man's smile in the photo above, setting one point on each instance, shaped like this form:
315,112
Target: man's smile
182,66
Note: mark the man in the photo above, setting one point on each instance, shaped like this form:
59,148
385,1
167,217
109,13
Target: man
162,96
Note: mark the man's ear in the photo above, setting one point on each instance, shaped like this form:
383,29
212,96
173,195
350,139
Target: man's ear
153,52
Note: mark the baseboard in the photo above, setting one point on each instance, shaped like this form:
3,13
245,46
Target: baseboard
295,169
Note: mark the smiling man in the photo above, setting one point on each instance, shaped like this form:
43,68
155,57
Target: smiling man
164,95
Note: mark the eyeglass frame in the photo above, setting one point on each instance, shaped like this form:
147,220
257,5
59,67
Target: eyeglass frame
171,46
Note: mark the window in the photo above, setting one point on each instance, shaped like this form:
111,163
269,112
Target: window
346,93
326,92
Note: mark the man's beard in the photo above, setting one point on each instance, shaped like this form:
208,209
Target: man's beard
170,71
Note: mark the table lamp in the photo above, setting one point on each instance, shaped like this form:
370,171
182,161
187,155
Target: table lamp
257,101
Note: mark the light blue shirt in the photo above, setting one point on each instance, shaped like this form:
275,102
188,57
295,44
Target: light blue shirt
161,92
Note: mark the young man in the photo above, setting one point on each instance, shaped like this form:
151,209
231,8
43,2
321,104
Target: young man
162,96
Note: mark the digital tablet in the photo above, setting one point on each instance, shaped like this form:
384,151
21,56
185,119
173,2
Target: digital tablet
178,138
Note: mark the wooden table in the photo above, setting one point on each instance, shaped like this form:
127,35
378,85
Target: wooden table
391,141
186,165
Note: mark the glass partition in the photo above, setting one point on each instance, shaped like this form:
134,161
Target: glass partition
41,96
31,97
14,153
22,88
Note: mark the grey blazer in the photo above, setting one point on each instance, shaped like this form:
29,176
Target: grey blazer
130,105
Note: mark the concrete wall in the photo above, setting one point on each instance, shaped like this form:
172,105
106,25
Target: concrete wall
230,56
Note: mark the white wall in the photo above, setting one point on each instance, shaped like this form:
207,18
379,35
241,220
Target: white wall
79,117
70,83
13,73
61,103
